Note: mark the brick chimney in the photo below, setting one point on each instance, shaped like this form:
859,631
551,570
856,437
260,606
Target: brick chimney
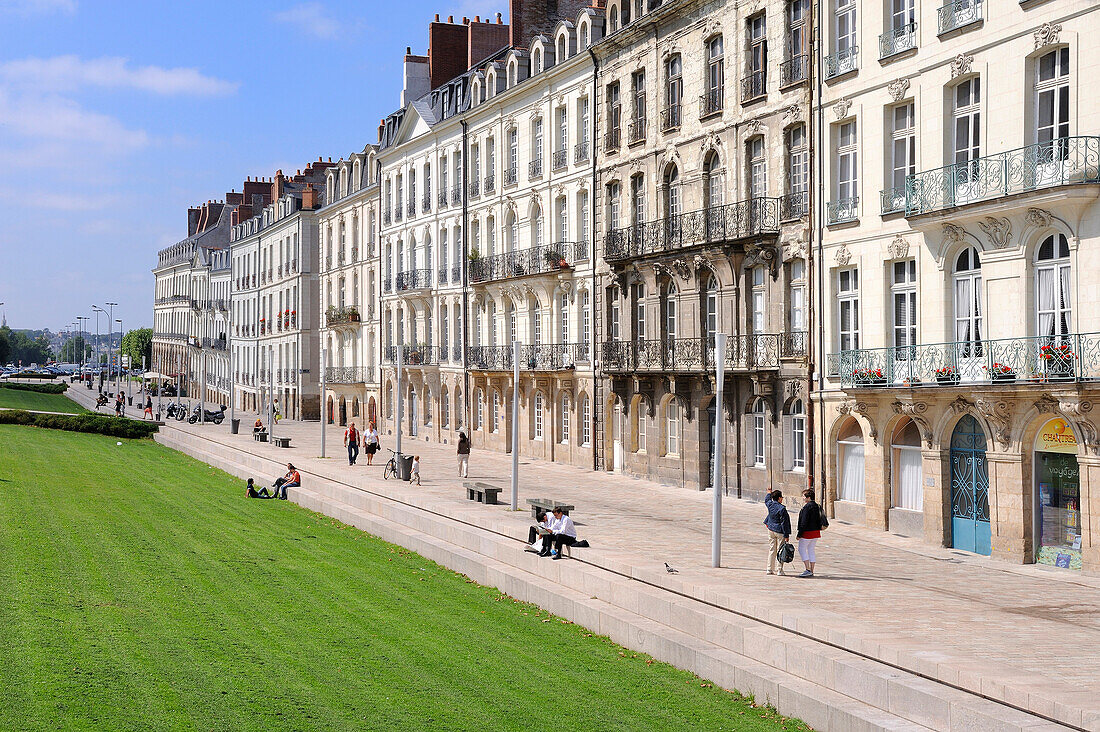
447,53
193,221
310,199
485,39
417,77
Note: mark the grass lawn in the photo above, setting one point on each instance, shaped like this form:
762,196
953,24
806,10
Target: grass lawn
33,400
140,589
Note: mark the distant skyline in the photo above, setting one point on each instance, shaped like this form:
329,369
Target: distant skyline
116,117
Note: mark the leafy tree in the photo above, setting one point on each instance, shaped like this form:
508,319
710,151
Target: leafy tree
138,344
26,350
5,346
75,350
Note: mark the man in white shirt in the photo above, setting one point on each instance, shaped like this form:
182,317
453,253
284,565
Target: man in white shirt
564,533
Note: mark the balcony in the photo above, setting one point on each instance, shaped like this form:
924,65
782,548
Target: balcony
897,40
612,139
893,200
349,375
456,194
956,14
475,188
410,209
341,316
542,357
841,62
490,183
387,286
636,131
794,70
532,261
1069,358
414,279
443,198
580,152
842,210
397,214
794,344
754,86
1062,162
456,274
511,177
559,160
671,118
794,206
387,219
426,203
744,219
749,352
416,355
441,276
534,169
216,344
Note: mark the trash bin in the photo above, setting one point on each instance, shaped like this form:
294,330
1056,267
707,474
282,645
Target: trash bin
234,426
130,401
89,384
404,466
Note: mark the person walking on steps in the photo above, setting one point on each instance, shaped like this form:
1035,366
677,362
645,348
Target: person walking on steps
779,527
148,408
811,520
463,455
351,442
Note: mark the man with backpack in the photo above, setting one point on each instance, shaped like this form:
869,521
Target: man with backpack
351,442
778,522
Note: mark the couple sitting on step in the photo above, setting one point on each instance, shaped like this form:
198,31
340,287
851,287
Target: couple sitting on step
292,479
552,533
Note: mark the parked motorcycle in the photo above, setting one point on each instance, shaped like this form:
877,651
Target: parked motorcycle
173,411
216,416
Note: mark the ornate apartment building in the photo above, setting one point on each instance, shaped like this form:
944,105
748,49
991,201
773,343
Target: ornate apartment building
276,300
486,189
704,203
349,265
960,154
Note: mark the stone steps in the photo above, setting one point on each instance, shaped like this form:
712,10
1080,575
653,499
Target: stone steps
829,687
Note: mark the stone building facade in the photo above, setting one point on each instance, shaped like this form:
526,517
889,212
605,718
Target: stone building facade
349,289
704,203
960,170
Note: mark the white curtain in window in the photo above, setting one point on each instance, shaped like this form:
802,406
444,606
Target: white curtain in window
908,467
851,473
1063,282
962,310
1048,303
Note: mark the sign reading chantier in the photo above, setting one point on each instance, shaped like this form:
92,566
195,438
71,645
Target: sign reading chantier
1056,436
1058,490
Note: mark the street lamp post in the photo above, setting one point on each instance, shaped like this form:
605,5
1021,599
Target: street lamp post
110,327
97,310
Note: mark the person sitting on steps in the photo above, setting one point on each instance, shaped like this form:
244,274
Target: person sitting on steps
564,533
292,479
252,492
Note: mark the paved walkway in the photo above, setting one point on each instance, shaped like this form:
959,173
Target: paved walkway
1026,635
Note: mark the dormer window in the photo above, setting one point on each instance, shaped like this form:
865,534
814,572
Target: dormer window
537,60
511,74
561,48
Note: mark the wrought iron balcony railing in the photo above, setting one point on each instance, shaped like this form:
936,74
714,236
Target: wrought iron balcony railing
535,260
475,188
580,252
560,159
490,182
612,139
794,206
397,214
754,86
1065,161
753,217
1038,359
746,352
444,199
794,344
580,152
456,274
341,316
511,176
441,276
841,62
794,70
456,194
671,117
842,210
387,218
897,40
387,285
534,168
414,279
426,203
350,375
893,200
411,209
636,131
416,355
542,357
957,13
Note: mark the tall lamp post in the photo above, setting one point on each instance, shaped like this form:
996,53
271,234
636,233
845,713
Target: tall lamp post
81,328
98,351
129,402
110,328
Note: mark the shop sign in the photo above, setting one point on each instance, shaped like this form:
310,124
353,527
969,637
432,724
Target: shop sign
1056,436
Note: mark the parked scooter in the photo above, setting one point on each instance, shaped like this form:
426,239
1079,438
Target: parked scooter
174,410
208,416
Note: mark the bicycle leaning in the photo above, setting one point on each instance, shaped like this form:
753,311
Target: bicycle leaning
391,467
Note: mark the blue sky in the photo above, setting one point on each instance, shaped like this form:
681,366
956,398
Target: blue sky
117,116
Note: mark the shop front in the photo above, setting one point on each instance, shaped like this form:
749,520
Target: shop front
1057,528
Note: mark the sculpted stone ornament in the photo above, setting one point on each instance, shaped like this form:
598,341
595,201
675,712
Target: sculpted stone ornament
997,230
843,256
961,64
897,89
1039,217
960,406
840,109
1046,404
952,234
1047,35
915,411
792,113
1075,407
682,268
898,248
999,416
760,254
754,127
856,407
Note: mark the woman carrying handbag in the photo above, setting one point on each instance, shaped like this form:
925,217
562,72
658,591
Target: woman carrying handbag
811,521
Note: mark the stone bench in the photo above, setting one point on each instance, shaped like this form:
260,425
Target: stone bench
548,505
259,436
482,493
281,441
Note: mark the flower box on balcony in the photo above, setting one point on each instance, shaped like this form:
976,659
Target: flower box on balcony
1000,373
868,377
947,375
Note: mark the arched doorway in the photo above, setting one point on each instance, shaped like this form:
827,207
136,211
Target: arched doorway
328,409
906,459
850,463
372,411
414,412
618,451
343,411
970,529
355,407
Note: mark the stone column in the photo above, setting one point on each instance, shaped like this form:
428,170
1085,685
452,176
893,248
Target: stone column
1009,506
876,484
936,473
1090,513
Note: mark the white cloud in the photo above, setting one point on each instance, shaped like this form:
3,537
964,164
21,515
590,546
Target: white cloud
37,7
71,202
52,117
70,73
311,17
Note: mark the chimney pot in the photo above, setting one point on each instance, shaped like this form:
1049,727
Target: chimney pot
499,21
465,20
450,19
408,50
477,18
437,17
